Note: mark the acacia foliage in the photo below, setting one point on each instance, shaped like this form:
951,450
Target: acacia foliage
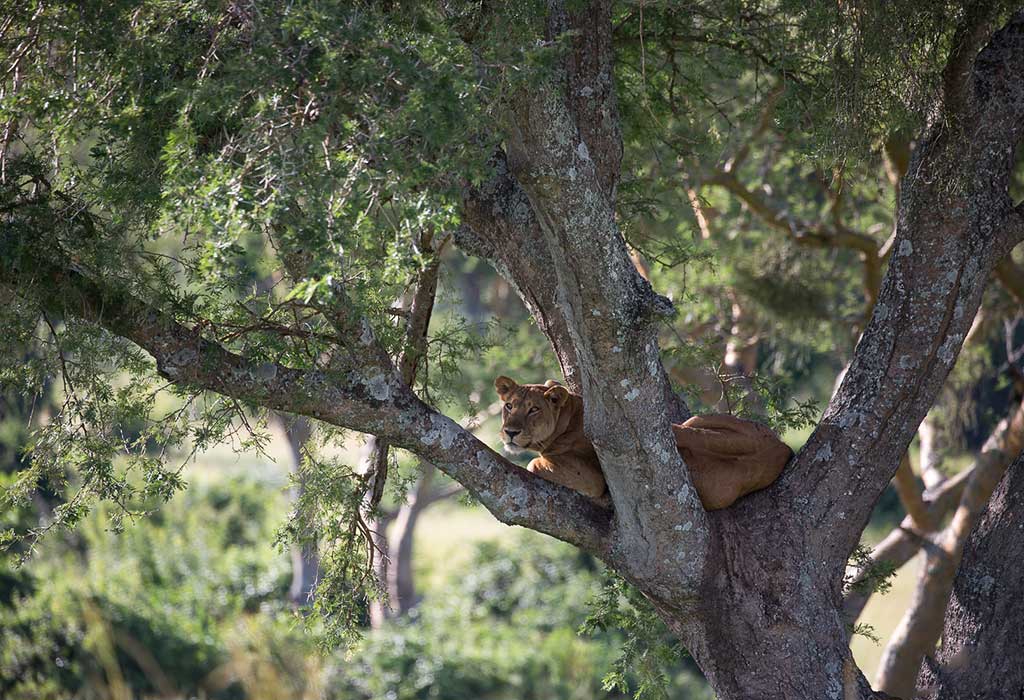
230,162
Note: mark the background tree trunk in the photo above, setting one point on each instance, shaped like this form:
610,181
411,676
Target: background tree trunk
296,431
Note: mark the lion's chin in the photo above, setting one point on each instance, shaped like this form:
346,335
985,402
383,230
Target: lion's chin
513,449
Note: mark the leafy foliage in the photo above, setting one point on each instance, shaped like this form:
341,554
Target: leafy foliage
875,576
246,167
648,649
152,608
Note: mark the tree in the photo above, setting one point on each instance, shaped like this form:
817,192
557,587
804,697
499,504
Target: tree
366,127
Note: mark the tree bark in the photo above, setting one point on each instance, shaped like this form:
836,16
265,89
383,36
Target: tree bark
982,638
919,630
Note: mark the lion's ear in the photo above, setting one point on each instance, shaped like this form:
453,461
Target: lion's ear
552,382
557,395
505,386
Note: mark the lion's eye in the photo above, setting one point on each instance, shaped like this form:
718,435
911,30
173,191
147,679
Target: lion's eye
532,411
508,407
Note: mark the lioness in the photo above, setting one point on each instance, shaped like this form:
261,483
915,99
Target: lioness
728,457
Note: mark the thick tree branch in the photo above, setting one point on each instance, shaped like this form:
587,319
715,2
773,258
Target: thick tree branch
500,227
952,229
972,33
590,89
365,399
611,313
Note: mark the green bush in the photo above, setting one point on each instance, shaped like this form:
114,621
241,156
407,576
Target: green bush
190,602
152,609
505,628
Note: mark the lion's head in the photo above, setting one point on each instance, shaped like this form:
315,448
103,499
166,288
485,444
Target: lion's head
529,414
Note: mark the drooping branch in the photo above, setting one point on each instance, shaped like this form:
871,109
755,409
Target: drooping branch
364,399
305,556
952,229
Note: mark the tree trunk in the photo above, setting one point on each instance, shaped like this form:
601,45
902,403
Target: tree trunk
983,639
768,626
921,625
305,558
401,539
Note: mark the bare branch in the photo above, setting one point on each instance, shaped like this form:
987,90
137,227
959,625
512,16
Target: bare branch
910,492
971,34
812,234
982,639
589,89
443,494
764,121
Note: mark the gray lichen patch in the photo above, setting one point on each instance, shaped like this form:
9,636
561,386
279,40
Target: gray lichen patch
378,387
443,431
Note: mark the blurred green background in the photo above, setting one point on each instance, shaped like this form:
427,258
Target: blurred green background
193,602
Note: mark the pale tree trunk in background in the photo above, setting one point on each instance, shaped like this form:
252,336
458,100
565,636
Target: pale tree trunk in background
930,453
296,431
402,590
395,535
740,360
401,583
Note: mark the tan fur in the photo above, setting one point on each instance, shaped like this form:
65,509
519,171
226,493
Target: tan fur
728,457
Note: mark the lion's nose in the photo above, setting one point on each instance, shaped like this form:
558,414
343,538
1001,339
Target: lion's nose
512,433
